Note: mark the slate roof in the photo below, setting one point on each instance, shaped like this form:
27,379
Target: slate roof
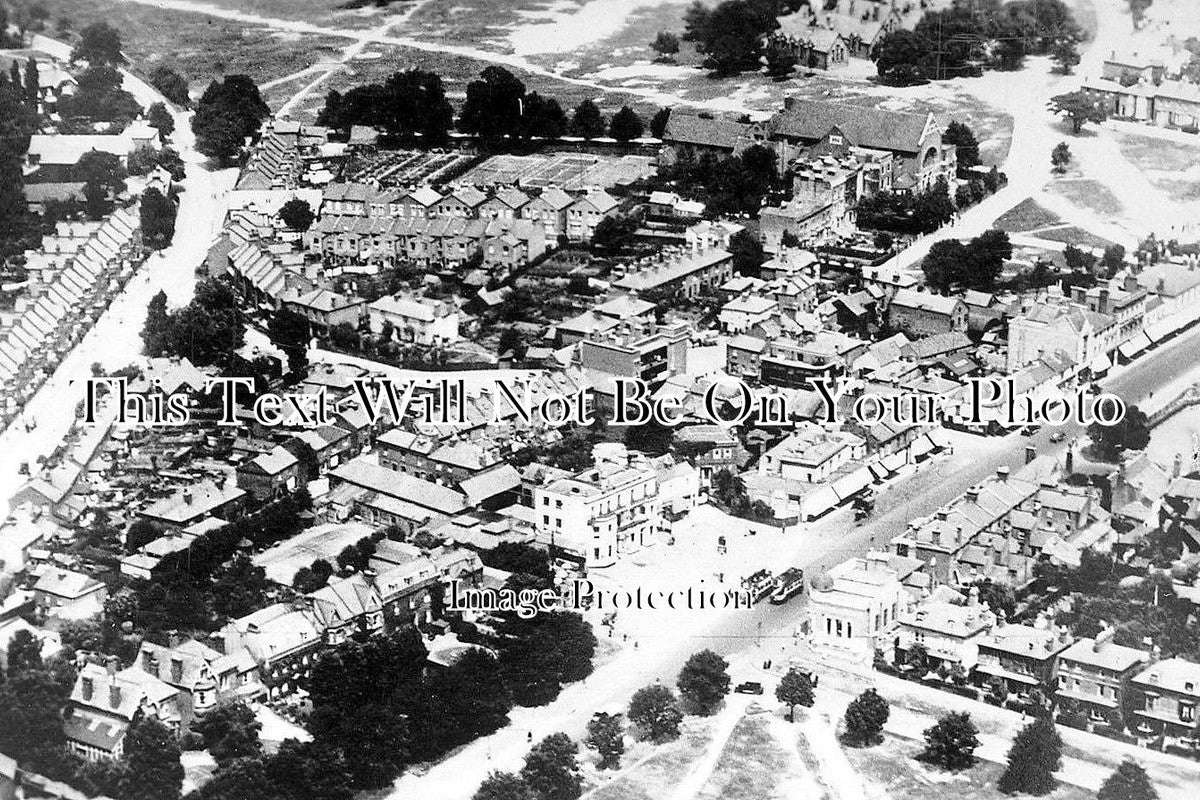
874,128
684,128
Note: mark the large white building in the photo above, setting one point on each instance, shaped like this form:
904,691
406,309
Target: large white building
415,320
598,514
856,603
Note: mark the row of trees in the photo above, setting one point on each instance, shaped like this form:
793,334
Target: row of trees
497,108
18,120
963,38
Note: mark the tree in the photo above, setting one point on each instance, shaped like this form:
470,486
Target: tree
732,38
544,117
1032,760
966,146
308,771
31,704
703,682
695,22
158,219
239,587
626,125
1080,108
1066,56
1060,157
1131,432
503,786
748,254
1113,259
883,240
103,178
99,43
900,57
152,753
606,735
658,123
666,45
239,779
161,119
24,652
865,717
230,731
227,114
781,60
297,214
1128,782
493,106
950,743
173,86
1078,260
551,770
142,531
587,121
795,689
209,328
655,710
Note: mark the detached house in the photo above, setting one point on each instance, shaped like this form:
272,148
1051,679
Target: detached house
104,703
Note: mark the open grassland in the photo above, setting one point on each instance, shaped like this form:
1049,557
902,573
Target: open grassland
752,765
891,770
652,772
1172,167
199,47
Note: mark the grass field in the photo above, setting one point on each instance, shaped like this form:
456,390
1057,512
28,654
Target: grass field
891,769
1089,194
1027,215
1173,167
1073,235
199,47
654,776
477,22
752,766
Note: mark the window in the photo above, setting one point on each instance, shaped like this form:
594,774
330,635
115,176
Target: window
545,519
1187,712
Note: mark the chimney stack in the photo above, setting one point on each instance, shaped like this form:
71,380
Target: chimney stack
176,669
1030,453
111,663
114,694
1002,473
88,687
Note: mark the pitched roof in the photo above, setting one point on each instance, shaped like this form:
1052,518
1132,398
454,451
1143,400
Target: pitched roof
925,301
400,485
865,126
686,128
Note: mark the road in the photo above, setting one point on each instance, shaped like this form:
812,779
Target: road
665,641
114,341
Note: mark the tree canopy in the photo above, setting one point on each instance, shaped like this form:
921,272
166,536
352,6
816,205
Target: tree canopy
1035,755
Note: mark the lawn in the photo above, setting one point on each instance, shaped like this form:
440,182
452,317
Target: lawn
197,46
1090,194
891,769
478,22
753,765
1027,215
1073,235
1173,167
654,776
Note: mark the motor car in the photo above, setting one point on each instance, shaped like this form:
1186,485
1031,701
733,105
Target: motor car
749,687
1057,436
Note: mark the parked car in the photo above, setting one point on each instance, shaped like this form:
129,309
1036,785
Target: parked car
1057,436
749,687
